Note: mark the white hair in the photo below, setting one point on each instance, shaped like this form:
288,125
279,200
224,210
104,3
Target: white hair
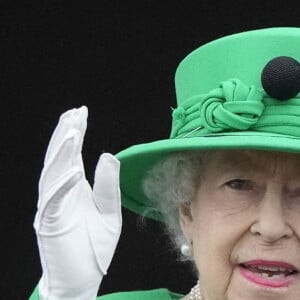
173,182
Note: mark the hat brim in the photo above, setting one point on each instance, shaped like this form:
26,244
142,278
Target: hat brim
137,160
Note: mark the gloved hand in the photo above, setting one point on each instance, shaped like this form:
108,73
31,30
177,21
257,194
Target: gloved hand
77,228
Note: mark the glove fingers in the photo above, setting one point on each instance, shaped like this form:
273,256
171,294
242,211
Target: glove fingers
65,147
61,161
80,123
106,189
55,199
71,119
63,126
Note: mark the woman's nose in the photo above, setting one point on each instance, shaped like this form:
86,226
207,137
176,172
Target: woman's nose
270,220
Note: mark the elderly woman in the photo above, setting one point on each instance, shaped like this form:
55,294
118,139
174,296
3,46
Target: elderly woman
226,183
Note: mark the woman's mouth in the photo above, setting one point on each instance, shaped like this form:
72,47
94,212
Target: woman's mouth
274,274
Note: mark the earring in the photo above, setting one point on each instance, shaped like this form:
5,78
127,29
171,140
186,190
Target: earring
186,249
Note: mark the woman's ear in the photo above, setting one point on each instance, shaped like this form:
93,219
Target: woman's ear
186,220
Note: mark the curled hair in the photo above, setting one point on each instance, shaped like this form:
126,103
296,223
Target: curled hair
173,182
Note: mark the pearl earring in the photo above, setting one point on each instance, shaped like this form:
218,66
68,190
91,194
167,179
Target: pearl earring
186,249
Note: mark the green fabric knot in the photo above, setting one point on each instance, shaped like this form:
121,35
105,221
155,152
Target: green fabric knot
178,113
232,106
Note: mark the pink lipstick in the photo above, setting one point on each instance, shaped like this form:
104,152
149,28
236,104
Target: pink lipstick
274,274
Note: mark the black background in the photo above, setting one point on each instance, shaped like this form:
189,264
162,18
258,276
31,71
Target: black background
119,59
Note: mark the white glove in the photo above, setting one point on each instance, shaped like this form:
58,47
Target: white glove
77,228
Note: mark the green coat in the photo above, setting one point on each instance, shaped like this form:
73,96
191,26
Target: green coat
158,294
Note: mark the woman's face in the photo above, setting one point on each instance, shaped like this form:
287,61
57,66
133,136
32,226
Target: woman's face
245,226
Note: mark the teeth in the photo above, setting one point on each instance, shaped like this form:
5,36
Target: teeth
274,276
269,268
266,275
273,269
282,269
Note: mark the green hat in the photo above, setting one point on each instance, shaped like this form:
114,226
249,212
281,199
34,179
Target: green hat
237,92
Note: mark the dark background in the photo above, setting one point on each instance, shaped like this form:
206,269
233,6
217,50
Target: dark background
119,59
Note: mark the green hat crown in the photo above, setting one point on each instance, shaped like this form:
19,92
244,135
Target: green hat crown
219,86
242,55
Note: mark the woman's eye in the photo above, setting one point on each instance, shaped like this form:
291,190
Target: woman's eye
240,184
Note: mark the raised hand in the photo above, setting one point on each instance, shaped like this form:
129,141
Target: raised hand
77,227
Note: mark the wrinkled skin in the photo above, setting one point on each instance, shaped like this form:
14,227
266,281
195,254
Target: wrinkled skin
247,207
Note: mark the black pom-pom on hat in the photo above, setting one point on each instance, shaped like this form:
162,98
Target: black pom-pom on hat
280,77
